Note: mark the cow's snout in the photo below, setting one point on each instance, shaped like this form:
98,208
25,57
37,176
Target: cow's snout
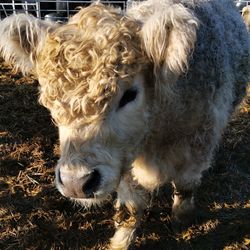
78,185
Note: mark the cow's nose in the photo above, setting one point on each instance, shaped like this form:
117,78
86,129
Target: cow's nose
78,187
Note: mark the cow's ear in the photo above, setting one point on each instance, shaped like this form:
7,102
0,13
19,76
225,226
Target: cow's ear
169,36
21,38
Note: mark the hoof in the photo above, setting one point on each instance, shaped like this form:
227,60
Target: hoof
183,212
122,239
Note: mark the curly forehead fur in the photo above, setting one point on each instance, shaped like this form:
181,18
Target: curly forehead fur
83,60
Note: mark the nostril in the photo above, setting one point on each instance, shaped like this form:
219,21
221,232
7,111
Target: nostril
59,177
92,183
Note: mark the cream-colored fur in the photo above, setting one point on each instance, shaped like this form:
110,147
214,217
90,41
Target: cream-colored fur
246,16
141,97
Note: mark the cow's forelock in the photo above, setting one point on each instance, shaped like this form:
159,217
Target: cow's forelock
82,61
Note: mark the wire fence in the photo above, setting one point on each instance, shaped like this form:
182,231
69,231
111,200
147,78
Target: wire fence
61,10
58,10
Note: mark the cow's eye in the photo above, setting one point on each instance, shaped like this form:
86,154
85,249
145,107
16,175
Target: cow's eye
128,96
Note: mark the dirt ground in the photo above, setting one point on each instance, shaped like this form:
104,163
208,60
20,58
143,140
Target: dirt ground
33,215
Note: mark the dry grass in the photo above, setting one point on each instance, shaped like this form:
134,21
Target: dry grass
33,215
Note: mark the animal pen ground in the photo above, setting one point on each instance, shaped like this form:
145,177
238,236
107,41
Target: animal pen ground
33,215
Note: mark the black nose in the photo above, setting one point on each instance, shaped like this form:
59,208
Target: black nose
92,184
78,187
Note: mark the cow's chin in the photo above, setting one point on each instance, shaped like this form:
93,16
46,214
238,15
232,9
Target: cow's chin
93,202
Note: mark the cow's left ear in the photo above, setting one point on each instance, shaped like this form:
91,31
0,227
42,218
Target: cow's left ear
169,37
21,38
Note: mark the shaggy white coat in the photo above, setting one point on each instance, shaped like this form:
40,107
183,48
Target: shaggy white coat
189,63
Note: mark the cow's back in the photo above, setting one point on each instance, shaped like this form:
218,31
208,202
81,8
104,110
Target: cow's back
216,79
219,66
221,58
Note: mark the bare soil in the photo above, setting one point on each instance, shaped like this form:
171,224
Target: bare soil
33,215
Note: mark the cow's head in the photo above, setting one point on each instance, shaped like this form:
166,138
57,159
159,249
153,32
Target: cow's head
96,77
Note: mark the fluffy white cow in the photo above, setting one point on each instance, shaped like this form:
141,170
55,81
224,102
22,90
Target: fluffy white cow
140,98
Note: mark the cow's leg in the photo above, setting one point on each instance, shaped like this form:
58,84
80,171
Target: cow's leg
185,186
194,158
130,204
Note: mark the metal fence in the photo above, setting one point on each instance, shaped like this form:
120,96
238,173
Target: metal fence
61,10
49,9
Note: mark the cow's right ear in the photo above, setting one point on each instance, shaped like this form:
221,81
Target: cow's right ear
21,38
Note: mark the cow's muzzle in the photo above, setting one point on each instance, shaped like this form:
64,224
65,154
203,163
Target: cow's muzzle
74,185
